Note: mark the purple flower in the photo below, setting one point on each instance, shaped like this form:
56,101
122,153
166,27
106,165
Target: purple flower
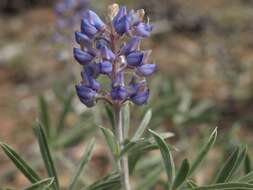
132,45
146,69
119,93
140,97
122,26
121,21
107,54
86,95
143,29
83,39
94,20
134,59
83,57
88,75
105,67
88,29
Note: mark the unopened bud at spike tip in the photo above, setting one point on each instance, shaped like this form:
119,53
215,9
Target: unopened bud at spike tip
113,10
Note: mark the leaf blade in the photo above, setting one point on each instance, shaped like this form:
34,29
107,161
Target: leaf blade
110,140
182,174
44,184
166,154
144,123
227,167
28,172
46,155
204,151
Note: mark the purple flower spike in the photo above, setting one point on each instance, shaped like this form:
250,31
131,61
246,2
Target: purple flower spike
83,39
82,57
146,69
94,20
104,51
107,54
141,97
105,67
134,59
132,45
143,29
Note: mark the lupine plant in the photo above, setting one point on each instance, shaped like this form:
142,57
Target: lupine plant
111,50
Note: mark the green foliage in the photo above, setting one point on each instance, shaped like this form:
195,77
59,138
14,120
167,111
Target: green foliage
56,127
46,155
42,185
167,156
111,141
144,123
202,154
30,174
111,181
181,174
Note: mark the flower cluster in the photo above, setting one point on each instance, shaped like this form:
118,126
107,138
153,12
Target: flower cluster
68,14
113,49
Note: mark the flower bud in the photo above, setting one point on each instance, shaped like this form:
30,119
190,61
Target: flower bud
119,93
83,39
134,59
107,54
105,67
143,29
88,29
113,10
94,20
132,45
86,95
146,69
83,57
141,97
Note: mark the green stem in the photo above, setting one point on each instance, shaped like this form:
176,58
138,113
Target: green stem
123,161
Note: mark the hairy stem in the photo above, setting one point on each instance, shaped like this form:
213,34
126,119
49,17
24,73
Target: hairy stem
123,161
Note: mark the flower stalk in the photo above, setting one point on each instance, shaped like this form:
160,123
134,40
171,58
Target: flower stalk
123,160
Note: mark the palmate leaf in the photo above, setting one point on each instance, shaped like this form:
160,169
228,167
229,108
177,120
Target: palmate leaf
144,123
109,182
44,184
28,172
181,174
46,155
203,151
225,186
166,154
85,159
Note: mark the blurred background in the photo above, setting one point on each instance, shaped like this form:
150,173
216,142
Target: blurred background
204,53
